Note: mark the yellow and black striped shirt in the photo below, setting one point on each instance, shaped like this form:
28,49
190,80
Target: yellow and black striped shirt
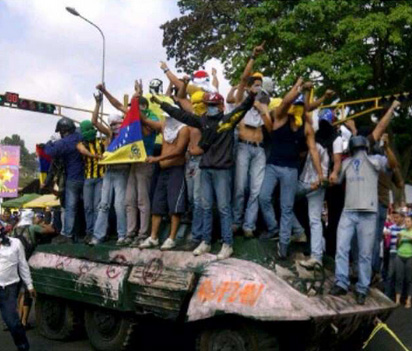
91,168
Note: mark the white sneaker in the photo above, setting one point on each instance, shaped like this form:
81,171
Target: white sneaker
225,252
168,244
202,249
149,242
94,242
311,263
121,241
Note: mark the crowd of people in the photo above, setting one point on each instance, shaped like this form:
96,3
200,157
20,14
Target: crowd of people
251,151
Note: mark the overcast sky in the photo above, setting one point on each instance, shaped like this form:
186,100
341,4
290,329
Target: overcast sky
49,55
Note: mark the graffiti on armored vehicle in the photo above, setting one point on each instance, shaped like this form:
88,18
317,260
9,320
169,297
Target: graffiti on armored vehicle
245,293
152,271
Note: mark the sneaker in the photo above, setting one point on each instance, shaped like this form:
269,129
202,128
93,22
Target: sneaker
94,242
225,252
168,244
87,238
149,242
202,249
337,291
248,233
299,238
121,242
360,298
282,252
62,239
129,239
137,240
311,264
269,236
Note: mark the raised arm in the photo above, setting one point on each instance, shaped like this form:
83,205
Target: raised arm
230,98
281,111
169,74
392,161
183,116
215,80
247,72
95,116
384,122
310,106
181,146
169,89
113,101
182,96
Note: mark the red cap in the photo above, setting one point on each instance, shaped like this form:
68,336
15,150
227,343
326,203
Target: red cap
200,74
213,99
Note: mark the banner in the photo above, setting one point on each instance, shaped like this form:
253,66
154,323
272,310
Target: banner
9,170
44,163
128,146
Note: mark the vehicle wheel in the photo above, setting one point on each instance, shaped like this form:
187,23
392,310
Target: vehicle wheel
236,338
56,318
108,330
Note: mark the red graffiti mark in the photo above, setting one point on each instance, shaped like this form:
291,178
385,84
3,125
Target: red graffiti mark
85,268
112,272
62,262
230,292
152,271
119,259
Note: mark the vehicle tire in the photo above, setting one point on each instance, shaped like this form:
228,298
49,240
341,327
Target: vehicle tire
108,330
56,318
237,337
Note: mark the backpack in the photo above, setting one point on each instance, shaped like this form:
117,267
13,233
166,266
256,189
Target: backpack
23,234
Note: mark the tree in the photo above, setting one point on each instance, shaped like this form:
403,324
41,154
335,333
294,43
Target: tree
358,48
28,161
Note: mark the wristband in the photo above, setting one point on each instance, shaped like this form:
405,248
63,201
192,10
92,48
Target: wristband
166,70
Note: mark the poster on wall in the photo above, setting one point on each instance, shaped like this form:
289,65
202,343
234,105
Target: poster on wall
9,170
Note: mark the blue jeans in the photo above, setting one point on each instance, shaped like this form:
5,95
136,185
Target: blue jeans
361,224
315,206
194,192
288,179
8,309
114,184
73,192
92,192
380,224
217,181
250,171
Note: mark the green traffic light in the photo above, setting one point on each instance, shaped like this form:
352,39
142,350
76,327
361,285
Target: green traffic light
2,99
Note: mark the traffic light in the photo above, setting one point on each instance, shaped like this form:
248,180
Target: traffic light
14,101
2,99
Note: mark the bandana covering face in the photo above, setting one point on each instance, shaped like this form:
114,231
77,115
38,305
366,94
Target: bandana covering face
172,128
88,131
26,218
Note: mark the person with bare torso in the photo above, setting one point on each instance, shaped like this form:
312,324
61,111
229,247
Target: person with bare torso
250,158
170,193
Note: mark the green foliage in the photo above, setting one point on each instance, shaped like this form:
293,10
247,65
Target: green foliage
358,48
28,161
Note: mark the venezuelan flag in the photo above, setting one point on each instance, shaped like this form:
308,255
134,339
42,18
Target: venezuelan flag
44,163
128,146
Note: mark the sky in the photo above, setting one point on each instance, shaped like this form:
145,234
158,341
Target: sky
50,55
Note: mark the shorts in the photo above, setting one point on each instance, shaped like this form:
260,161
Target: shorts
170,192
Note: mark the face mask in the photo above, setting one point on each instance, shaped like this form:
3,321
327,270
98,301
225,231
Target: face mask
213,110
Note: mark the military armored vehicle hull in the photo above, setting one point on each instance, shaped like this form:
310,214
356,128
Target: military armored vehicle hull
248,302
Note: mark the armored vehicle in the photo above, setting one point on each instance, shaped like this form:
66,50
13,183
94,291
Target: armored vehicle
249,302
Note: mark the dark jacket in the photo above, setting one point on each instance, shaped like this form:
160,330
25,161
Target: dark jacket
218,147
67,151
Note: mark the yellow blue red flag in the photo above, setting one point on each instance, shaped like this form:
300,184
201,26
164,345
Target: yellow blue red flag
128,146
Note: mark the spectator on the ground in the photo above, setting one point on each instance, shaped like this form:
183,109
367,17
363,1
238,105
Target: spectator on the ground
403,265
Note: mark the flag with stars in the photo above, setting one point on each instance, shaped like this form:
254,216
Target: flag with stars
128,146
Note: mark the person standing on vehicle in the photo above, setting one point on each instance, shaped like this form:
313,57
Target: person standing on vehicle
358,218
66,150
13,265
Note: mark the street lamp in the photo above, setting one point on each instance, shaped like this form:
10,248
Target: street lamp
74,12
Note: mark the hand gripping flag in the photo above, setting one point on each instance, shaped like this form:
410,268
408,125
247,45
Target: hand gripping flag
44,163
128,146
